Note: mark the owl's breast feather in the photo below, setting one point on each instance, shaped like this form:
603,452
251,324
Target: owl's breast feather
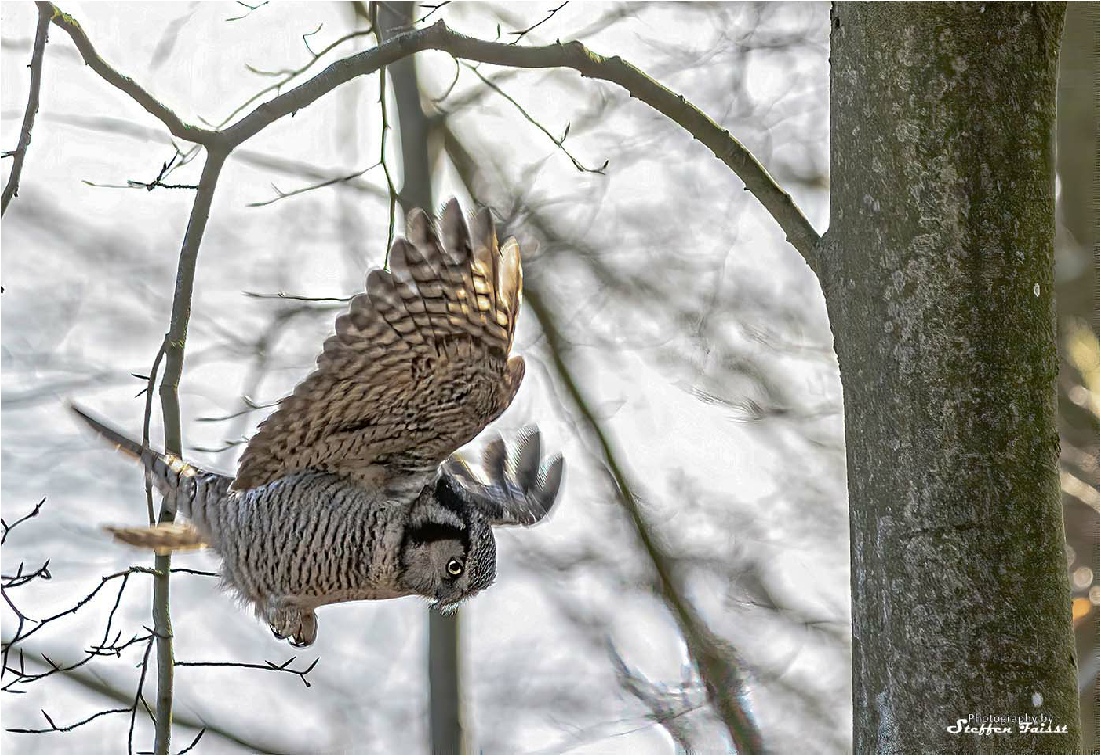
313,537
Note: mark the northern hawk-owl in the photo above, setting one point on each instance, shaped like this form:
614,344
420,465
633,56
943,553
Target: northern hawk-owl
351,489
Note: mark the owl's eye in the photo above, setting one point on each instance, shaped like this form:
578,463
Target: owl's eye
455,567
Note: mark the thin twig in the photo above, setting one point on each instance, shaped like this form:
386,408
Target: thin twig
306,41
432,9
267,666
392,192
39,624
524,32
92,683
558,142
20,154
189,571
138,695
281,195
151,382
68,728
194,742
22,578
248,12
289,75
8,528
296,298
450,87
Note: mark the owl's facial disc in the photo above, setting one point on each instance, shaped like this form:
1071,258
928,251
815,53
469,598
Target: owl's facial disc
479,569
458,581
434,560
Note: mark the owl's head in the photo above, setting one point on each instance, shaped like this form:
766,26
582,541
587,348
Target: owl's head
448,551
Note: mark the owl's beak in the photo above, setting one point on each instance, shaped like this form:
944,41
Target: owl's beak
446,608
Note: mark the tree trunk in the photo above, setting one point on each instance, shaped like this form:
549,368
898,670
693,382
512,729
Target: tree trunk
938,276
444,694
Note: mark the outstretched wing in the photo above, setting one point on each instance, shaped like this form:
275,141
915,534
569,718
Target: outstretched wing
418,367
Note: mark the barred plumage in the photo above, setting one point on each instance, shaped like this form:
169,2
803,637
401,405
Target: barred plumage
341,495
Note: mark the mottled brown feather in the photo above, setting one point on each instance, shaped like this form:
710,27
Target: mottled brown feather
418,366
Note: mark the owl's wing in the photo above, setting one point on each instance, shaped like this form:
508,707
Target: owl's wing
514,487
418,367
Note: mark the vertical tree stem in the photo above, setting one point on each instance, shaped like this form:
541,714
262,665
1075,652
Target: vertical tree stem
45,13
445,720
175,341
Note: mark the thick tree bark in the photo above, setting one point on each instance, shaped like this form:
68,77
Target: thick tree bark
938,276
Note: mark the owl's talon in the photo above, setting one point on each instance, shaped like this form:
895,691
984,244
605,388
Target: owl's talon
289,622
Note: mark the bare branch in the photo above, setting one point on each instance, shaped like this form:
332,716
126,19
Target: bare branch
337,302
138,697
151,105
573,55
194,742
20,154
667,706
68,728
158,182
150,383
39,624
189,571
392,192
22,578
93,683
266,666
433,9
175,340
8,528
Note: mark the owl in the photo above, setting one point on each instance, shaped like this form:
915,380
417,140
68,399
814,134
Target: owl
352,489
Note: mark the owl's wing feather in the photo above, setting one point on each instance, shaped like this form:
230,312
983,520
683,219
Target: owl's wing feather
512,488
418,366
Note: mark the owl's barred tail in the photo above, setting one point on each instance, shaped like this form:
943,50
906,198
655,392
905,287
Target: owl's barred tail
165,470
178,481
